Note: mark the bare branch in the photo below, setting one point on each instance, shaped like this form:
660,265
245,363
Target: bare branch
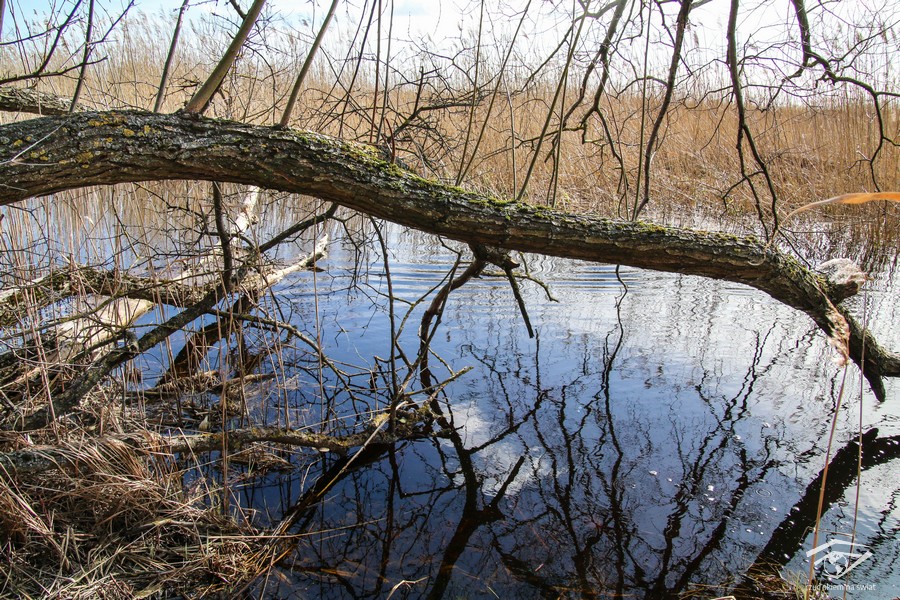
286,116
200,102
172,147
164,79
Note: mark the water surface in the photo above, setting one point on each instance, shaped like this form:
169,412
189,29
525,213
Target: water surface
659,435
650,440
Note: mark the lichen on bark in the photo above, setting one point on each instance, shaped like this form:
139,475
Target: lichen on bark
94,149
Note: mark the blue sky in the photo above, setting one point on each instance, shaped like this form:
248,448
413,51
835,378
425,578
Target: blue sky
440,21
416,18
423,12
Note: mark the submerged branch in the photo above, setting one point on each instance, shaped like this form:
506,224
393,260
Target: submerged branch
36,459
76,279
60,153
91,375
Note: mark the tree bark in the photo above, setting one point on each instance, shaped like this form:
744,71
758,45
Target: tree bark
25,100
52,154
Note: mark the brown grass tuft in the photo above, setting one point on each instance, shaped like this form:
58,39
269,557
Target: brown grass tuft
113,527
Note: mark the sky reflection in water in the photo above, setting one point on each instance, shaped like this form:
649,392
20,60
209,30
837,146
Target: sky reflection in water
643,443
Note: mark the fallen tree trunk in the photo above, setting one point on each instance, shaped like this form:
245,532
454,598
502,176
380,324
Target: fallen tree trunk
52,154
66,346
75,279
91,375
14,99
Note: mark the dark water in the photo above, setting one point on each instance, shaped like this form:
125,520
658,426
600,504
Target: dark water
660,435
652,439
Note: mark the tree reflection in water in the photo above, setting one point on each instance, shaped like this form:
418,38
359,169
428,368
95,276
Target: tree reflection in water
585,465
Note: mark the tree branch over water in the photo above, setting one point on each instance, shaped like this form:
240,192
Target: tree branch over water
52,154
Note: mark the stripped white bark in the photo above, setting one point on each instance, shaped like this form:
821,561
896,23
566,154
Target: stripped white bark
100,326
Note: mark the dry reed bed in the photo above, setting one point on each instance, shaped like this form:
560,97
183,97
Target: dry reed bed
115,524
813,150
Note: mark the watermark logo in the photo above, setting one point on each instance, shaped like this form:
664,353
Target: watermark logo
839,557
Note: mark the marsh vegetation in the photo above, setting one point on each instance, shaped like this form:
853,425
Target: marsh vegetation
515,313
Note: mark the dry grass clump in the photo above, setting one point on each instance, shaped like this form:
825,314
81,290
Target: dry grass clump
760,583
113,524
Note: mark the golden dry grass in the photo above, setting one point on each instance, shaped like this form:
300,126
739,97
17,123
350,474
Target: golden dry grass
812,151
118,525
